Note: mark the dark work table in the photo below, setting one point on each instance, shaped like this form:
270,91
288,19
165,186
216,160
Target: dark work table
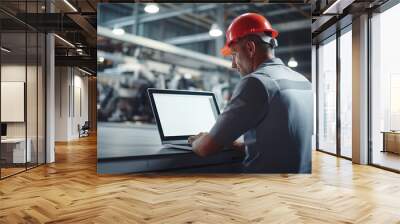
129,148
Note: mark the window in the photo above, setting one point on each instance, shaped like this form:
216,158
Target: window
346,93
385,88
327,96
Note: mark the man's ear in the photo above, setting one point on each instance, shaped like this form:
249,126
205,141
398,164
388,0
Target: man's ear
251,48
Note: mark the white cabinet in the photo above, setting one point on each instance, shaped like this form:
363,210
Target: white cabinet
17,146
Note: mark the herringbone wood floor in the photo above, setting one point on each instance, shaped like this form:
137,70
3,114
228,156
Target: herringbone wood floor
70,191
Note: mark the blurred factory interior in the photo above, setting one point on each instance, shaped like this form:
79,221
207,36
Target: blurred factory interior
177,46
74,75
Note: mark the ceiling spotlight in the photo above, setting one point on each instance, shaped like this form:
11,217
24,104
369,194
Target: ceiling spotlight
151,8
215,31
118,31
5,50
100,59
79,50
292,63
43,7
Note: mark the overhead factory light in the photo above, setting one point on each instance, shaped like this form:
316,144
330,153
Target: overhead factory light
100,59
292,63
118,31
188,76
215,31
79,51
70,5
151,8
5,50
65,41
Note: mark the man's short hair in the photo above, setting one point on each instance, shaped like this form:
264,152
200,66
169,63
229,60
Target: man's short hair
260,44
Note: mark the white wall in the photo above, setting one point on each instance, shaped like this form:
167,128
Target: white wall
12,73
61,103
71,94
33,126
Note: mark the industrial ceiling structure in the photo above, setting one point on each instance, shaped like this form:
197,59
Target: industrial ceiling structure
74,24
185,26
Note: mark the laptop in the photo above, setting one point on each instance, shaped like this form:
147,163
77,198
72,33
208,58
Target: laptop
180,114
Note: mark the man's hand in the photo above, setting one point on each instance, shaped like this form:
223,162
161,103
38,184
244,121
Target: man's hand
193,138
203,144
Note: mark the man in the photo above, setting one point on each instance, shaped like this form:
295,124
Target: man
271,106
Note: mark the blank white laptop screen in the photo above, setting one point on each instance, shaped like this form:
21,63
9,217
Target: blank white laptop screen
185,114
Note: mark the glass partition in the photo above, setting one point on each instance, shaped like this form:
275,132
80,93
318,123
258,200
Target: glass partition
14,153
22,89
31,97
41,97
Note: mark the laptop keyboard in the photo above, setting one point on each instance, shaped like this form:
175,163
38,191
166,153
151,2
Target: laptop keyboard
180,146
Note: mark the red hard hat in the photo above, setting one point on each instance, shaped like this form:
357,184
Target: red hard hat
245,24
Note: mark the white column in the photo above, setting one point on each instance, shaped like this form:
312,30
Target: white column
314,90
50,92
50,99
360,90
